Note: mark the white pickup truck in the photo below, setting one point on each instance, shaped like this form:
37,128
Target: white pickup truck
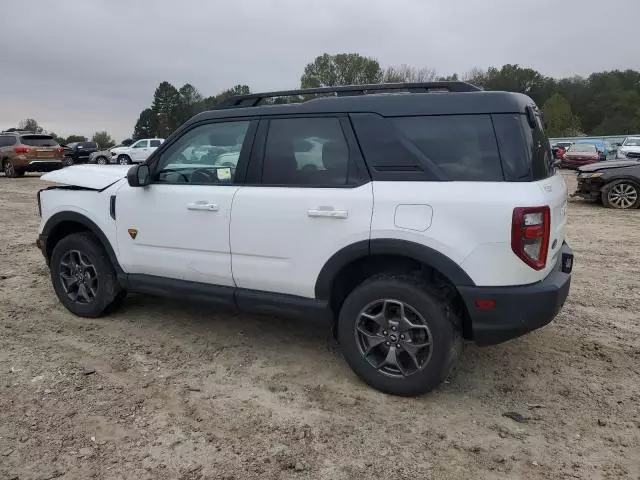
137,152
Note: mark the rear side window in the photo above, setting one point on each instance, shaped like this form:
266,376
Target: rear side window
538,148
7,140
38,140
306,151
155,143
515,151
464,147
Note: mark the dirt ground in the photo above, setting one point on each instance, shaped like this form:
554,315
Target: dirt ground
165,390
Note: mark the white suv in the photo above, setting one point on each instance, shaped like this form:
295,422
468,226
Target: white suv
137,152
630,148
407,221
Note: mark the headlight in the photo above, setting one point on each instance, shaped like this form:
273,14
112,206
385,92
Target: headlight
590,175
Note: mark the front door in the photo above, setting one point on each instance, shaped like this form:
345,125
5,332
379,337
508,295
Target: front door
140,151
312,198
178,226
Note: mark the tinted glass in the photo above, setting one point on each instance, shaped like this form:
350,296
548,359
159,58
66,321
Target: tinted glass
539,150
155,143
38,140
306,151
516,163
206,154
90,145
464,147
7,140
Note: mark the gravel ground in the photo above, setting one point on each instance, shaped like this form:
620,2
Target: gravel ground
165,390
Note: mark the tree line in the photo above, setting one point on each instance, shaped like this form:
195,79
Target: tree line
603,103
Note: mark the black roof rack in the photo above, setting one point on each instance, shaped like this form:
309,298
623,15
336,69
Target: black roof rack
254,99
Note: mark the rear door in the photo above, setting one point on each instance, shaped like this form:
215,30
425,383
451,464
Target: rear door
308,197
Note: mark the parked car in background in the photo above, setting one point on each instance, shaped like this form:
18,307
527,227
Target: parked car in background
22,152
103,157
616,184
78,152
630,148
580,154
137,152
605,149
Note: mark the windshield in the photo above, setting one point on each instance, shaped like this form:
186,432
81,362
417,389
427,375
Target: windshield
38,141
583,148
632,142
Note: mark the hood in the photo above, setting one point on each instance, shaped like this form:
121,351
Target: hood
582,154
94,177
609,164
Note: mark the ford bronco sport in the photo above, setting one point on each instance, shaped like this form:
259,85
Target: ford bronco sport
407,216
22,152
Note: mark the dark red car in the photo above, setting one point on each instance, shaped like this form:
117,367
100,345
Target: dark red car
580,154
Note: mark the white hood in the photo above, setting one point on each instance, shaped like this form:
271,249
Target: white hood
95,177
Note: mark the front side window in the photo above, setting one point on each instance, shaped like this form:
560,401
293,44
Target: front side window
141,144
207,154
306,151
464,147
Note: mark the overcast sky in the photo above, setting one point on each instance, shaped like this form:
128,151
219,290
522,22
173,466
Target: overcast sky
78,66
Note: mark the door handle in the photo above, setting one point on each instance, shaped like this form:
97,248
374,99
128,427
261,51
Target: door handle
203,205
327,213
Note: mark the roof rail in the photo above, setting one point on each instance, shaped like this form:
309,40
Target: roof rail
254,99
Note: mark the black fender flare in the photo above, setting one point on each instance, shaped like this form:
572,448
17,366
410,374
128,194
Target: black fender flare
387,246
74,217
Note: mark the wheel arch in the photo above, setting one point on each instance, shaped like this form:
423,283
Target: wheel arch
63,224
350,266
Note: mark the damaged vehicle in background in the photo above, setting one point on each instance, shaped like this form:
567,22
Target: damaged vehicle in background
580,154
630,148
616,183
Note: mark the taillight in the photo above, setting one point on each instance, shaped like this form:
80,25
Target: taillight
22,150
59,149
530,233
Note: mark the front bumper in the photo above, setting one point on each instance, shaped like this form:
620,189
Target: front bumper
589,188
520,309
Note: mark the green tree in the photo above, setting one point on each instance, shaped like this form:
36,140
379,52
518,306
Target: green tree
127,141
75,138
211,102
408,74
341,69
190,103
28,124
103,139
166,109
561,122
59,140
145,126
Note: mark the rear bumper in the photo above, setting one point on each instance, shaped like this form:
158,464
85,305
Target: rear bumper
41,166
520,309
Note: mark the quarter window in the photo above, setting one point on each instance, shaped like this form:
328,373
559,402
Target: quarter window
7,140
306,151
207,154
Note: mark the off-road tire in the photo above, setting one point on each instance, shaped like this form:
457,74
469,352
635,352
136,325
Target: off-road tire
109,294
609,201
444,326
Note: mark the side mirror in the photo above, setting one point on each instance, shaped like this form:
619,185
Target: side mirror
139,176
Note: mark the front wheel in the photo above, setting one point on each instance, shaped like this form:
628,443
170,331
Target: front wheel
621,194
398,335
124,160
83,278
101,160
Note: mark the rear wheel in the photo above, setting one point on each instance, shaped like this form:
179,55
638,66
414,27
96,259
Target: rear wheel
67,161
83,278
621,194
10,170
124,160
398,335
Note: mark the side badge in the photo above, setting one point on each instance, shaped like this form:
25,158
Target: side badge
133,233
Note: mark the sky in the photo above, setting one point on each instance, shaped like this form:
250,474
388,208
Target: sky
79,66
